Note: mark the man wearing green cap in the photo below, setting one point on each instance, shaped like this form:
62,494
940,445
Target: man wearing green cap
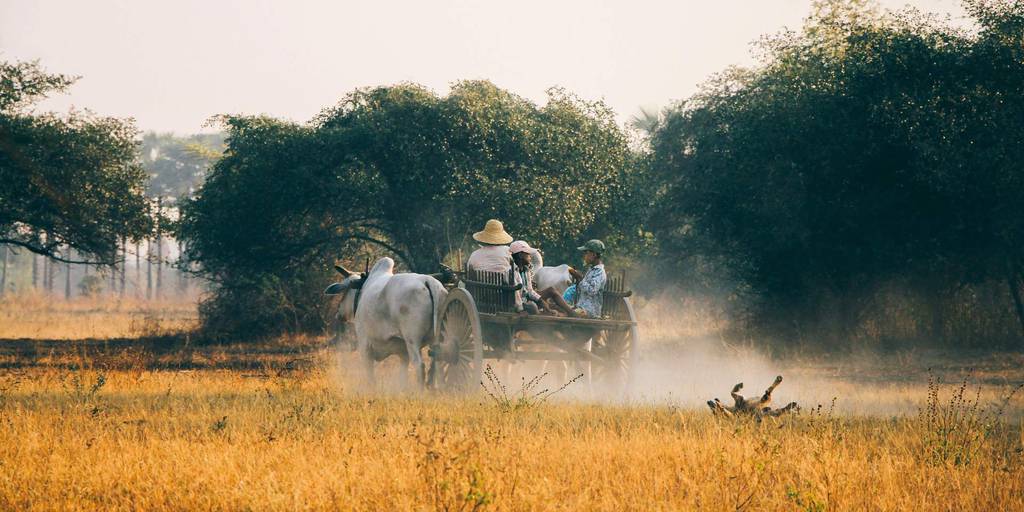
586,294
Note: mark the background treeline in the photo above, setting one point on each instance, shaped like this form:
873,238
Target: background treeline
402,171
86,205
864,182
860,185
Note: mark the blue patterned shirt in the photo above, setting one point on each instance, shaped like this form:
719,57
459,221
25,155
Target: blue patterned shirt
588,292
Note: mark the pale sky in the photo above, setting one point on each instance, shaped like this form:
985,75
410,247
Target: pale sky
172,64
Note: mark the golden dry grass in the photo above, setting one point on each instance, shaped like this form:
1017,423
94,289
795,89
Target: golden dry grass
37,316
291,436
168,426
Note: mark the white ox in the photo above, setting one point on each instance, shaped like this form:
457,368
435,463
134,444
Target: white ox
552,277
393,314
549,277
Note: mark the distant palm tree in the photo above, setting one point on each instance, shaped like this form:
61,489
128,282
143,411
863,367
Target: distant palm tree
646,121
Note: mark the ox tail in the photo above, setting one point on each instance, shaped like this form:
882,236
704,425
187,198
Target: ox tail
435,306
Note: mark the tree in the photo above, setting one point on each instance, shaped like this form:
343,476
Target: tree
408,172
436,168
65,182
865,149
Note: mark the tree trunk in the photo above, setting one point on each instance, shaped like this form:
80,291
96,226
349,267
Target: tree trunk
149,269
159,247
35,271
3,270
1013,282
113,275
138,268
159,265
182,283
67,278
124,262
51,275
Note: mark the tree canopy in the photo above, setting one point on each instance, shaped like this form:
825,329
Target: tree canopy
409,172
65,181
864,148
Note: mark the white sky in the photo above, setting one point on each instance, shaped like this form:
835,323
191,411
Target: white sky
172,64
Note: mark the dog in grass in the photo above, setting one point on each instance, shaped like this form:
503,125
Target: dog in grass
754,406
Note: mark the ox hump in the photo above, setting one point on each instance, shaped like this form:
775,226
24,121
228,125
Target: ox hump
384,265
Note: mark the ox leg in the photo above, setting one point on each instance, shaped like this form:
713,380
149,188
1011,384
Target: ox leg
431,382
367,359
403,372
415,357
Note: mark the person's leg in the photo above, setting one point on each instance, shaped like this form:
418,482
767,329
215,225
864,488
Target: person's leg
557,299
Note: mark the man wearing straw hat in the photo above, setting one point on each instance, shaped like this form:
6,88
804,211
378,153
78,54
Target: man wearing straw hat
493,254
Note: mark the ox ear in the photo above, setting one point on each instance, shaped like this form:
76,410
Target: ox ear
342,270
335,289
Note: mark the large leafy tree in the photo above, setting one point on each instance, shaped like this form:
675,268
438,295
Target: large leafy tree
437,167
865,148
407,172
65,181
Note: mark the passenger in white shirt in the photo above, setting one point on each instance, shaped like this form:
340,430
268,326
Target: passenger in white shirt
490,258
493,254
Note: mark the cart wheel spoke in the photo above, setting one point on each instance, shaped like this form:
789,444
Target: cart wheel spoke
459,342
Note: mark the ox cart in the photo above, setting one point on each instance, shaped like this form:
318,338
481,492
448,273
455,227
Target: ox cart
478,322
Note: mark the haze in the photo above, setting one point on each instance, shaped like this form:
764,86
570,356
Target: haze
172,65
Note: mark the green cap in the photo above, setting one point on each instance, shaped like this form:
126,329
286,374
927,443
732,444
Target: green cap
594,246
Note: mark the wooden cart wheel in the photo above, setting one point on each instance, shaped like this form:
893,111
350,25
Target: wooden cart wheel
617,355
458,356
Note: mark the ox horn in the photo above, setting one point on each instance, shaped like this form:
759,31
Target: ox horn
342,270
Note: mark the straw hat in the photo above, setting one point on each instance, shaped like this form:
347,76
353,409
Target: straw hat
493,233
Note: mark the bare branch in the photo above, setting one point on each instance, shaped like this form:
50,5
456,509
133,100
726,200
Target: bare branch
49,253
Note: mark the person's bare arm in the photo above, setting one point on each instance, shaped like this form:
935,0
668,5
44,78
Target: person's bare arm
576,275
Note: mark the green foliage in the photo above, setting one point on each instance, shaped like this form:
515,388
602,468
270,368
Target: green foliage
263,305
401,170
437,168
65,181
866,148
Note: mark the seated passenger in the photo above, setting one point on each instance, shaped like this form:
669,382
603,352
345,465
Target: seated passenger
584,298
528,301
493,254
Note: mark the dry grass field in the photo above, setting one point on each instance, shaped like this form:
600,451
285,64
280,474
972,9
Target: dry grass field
37,316
160,424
